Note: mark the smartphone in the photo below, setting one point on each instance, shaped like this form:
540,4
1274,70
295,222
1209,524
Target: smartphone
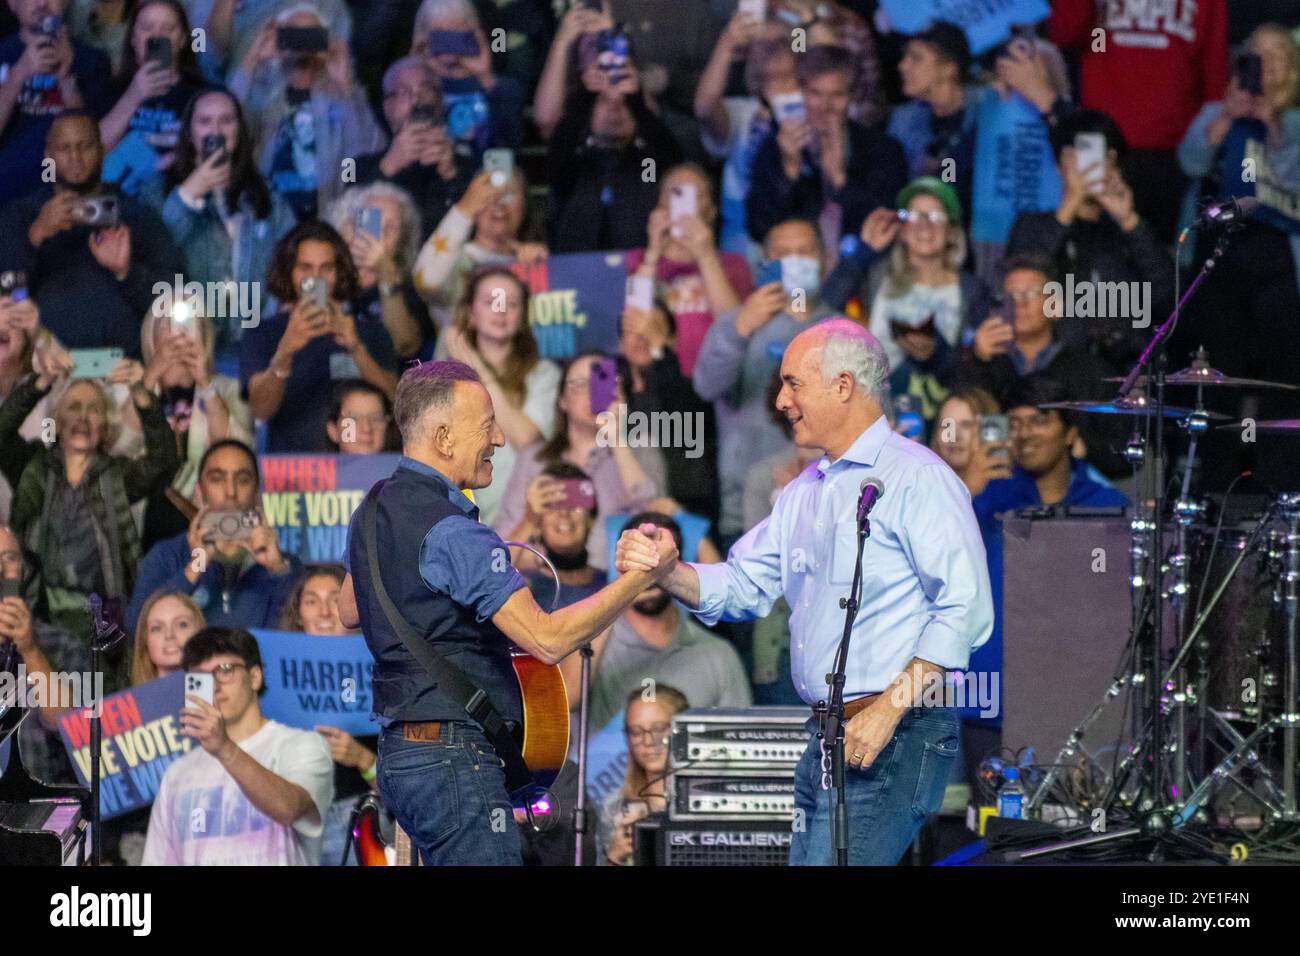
768,271
1090,150
370,220
994,429
907,420
1024,38
93,363
233,525
461,43
13,284
13,587
640,293
313,287
102,212
158,50
302,39
183,319
683,201
500,165
212,143
50,25
603,385
1249,70
426,113
578,494
755,8
613,50
198,684
789,108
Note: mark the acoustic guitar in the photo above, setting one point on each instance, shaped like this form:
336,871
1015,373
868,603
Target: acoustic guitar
544,740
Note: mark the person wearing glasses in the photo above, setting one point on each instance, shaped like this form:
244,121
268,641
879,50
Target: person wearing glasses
253,792
421,157
647,724
906,266
361,419
1021,339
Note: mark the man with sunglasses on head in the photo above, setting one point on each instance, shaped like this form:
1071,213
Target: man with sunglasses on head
254,792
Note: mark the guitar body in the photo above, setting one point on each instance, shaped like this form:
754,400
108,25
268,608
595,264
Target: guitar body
546,718
545,748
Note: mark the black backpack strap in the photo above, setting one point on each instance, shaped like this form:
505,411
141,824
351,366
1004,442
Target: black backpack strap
449,678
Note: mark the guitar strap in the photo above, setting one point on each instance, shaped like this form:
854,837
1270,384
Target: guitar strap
447,677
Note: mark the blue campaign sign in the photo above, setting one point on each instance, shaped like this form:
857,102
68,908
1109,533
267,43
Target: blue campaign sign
316,680
309,499
986,22
141,738
576,299
1015,170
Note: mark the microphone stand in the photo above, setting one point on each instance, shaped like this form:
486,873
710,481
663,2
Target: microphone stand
584,692
830,715
107,636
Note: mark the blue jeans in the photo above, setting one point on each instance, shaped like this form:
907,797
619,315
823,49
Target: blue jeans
450,797
888,802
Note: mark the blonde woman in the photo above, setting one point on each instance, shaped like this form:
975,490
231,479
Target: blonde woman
647,725
167,621
72,504
200,405
384,263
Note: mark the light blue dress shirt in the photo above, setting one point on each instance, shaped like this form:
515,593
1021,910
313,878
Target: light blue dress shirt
925,590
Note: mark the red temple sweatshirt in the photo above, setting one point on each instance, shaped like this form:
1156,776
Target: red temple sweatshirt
1162,60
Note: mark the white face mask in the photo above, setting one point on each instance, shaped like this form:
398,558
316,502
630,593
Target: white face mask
801,272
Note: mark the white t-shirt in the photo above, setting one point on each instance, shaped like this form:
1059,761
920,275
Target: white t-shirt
201,817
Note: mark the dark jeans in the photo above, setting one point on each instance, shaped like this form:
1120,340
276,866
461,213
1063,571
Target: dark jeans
888,803
450,797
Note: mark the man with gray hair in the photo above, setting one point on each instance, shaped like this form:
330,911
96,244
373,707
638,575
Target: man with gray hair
421,157
450,579
924,601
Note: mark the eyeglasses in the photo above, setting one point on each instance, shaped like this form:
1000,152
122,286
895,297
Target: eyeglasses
577,384
914,217
649,735
225,673
1025,295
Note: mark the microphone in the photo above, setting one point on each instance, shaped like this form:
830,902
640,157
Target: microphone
1227,211
869,492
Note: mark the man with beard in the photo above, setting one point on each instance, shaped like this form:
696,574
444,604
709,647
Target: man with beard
91,271
654,641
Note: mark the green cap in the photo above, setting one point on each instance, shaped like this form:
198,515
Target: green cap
930,186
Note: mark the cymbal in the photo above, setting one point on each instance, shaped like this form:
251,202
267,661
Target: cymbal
1270,425
1204,375
1129,407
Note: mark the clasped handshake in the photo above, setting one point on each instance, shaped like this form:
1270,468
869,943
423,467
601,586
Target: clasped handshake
648,549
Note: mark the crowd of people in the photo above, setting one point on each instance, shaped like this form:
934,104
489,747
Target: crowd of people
331,169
